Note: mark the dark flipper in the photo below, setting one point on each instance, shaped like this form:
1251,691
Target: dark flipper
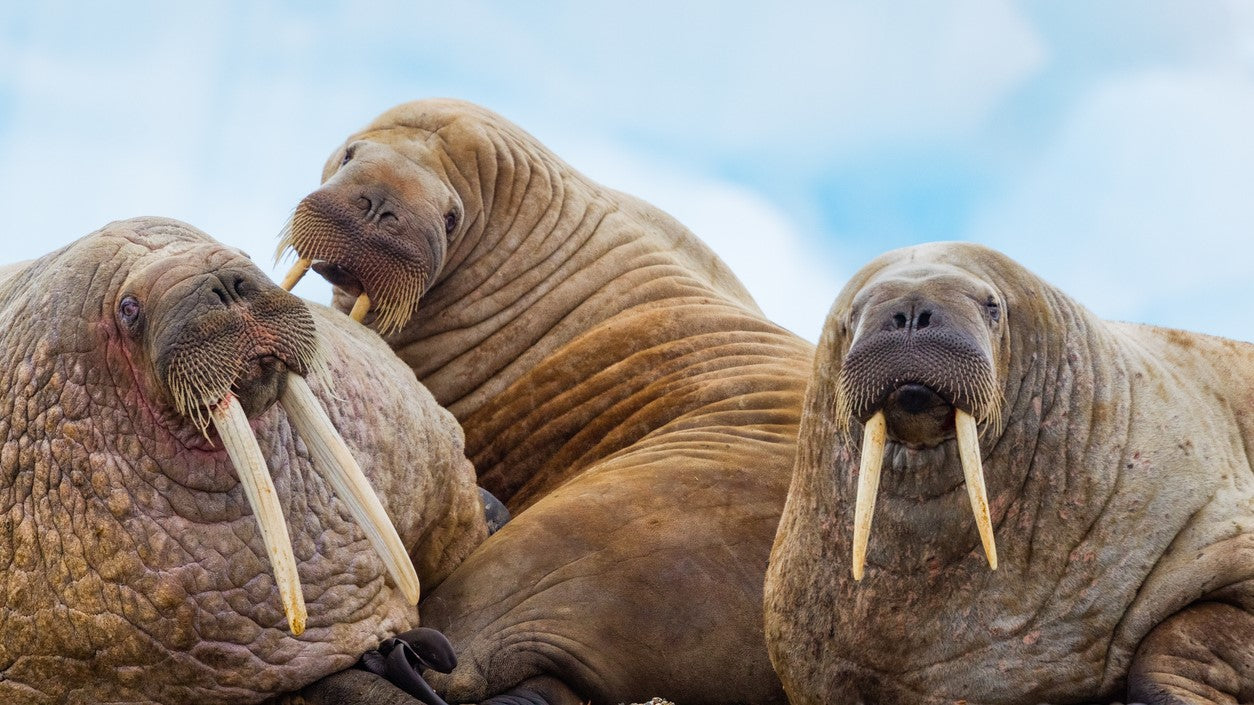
391,674
1203,655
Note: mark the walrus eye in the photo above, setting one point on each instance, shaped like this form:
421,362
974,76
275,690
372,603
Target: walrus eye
348,155
128,311
994,311
450,222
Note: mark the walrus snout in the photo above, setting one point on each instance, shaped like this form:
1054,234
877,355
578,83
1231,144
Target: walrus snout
230,331
919,370
369,242
917,358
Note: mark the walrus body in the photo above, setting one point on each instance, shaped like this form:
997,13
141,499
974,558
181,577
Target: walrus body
1117,464
133,566
618,389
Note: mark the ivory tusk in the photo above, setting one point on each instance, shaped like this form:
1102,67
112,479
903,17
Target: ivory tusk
295,274
972,468
250,465
360,307
333,460
873,439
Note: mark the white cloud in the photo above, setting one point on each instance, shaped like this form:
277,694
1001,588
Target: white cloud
1142,208
805,81
222,116
166,130
165,125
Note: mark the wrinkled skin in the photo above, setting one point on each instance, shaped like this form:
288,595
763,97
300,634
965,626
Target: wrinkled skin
1117,462
133,567
619,390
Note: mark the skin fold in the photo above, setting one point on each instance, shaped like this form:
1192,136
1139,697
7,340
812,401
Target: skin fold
619,390
133,569
1117,463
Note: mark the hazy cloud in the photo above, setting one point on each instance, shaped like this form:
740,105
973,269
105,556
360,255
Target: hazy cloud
1106,148
1142,209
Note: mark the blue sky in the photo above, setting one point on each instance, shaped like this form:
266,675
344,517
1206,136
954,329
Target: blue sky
1106,145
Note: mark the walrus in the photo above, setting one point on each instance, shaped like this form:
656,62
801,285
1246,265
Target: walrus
619,390
189,459
1111,551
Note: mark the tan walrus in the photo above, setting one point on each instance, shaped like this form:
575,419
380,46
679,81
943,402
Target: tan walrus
188,459
1108,467
618,388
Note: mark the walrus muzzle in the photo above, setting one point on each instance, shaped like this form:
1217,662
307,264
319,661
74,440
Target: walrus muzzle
228,348
370,246
918,380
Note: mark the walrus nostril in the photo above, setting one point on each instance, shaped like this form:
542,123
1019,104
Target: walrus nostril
375,207
900,320
924,319
231,288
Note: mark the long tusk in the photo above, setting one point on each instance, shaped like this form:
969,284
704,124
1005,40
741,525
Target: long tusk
232,426
972,468
295,274
334,461
873,439
360,307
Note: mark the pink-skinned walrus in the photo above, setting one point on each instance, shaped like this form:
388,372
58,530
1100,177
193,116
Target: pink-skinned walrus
210,490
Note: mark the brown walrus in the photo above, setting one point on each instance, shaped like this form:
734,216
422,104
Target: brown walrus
619,390
1119,497
152,381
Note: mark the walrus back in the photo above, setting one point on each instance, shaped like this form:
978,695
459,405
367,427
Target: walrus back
9,286
689,249
635,381
8,270
1220,368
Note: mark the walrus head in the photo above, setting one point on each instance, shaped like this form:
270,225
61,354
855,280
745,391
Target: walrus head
923,354
200,335
151,380
379,227
211,339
